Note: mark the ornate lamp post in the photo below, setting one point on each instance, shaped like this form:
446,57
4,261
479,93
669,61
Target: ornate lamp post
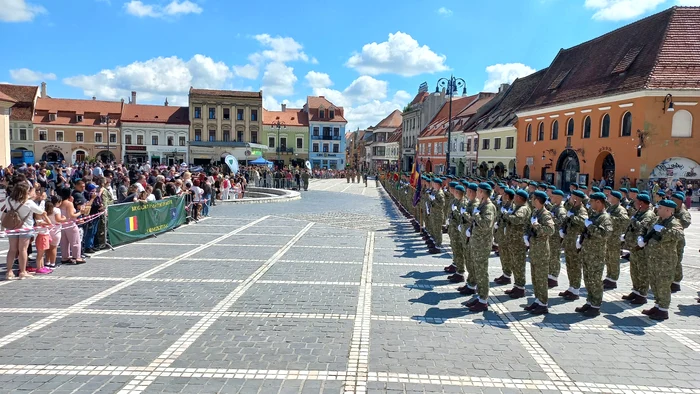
451,85
279,125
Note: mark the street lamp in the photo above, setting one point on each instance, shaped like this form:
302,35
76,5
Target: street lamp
450,85
279,125
109,153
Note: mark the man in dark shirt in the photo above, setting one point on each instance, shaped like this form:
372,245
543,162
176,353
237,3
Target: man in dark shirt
79,195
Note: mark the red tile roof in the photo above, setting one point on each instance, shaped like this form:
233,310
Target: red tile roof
438,125
225,93
67,109
290,117
392,121
313,103
661,51
4,97
396,135
420,97
21,93
155,114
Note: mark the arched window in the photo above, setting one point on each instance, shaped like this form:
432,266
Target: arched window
555,130
682,124
605,126
570,127
587,127
540,132
528,133
626,124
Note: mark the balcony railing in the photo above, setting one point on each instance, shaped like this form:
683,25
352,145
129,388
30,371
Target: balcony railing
325,137
284,150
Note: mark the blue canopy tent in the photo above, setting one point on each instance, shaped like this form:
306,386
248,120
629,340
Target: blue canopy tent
260,162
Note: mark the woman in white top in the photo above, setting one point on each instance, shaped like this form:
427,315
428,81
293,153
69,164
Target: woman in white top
21,200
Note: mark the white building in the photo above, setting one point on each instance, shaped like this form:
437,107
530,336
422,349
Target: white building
379,158
417,115
21,115
157,134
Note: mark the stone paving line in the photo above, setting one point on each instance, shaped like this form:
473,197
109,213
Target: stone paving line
140,383
91,300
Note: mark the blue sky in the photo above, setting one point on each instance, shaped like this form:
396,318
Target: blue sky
369,56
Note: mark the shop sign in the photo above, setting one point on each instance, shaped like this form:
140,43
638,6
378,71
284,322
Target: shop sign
605,149
136,147
51,148
80,147
111,147
676,168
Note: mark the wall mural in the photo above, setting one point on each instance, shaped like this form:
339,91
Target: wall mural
676,168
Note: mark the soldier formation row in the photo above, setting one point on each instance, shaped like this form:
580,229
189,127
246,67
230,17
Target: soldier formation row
591,226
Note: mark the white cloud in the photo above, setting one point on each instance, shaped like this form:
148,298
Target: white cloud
505,73
278,79
365,89
619,10
689,3
271,104
154,79
25,75
318,80
400,54
371,113
174,8
19,11
248,71
444,11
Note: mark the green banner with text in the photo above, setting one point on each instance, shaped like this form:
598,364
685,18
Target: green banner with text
137,220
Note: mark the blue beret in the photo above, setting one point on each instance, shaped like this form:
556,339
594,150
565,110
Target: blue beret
485,186
542,184
634,190
465,182
582,187
616,194
522,193
541,194
644,198
578,194
472,186
661,193
533,183
459,187
575,185
510,192
558,192
668,203
595,189
552,187
624,190
678,196
502,185
598,196
450,177
491,183
453,184
607,188
437,180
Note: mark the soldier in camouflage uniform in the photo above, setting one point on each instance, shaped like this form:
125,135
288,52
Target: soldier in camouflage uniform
499,237
683,216
467,215
620,221
632,207
591,244
449,197
540,230
640,224
625,202
515,225
558,213
661,247
437,205
571,229
453,221
481,233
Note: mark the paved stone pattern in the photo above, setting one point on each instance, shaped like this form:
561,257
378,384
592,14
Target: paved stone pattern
254,301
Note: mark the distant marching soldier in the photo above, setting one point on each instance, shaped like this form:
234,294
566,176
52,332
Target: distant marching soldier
540,230
683,216
661,248
449,196
607,190
467,223
454,226
640,224
481,234
500,237
592,244
348,174
625,202
437,205
516,224
555,243
620,222
571,230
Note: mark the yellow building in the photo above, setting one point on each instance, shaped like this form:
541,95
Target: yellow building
286,134
6,102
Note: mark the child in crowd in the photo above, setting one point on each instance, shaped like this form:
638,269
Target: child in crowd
56,219
43,239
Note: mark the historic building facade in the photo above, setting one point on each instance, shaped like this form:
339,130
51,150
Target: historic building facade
327,133
286,134
156,134
21,114
380,157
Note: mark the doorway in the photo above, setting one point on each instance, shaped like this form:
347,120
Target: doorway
568,166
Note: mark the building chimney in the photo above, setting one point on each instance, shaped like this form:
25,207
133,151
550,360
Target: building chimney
133,97
43,89
284,107
166,102
94,98
503,87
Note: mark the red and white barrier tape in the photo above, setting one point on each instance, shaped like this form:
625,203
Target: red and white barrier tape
82,220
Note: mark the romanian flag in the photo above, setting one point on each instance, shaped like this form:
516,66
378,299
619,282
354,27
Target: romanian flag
415,172
132,224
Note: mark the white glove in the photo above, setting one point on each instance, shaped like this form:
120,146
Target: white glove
640,242
495,226
432,198
476,211
588,205
578,242
503,210
587,222
561,233
533,220
622,238
459,228
510,210
462,210
447,222
454,207
569,214
656,206
469,232
658,228
568,196
527,240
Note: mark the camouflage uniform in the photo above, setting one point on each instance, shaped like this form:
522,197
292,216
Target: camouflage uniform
661,249
437,217
481,241
499,239
516,223
683,217
631,210
573,227
467,224
593,242
558,213
540,230
639,225
620,221
456,245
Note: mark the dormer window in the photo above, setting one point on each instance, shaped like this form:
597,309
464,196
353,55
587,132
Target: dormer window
52,117
103,119
321,113
331,114
78,118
